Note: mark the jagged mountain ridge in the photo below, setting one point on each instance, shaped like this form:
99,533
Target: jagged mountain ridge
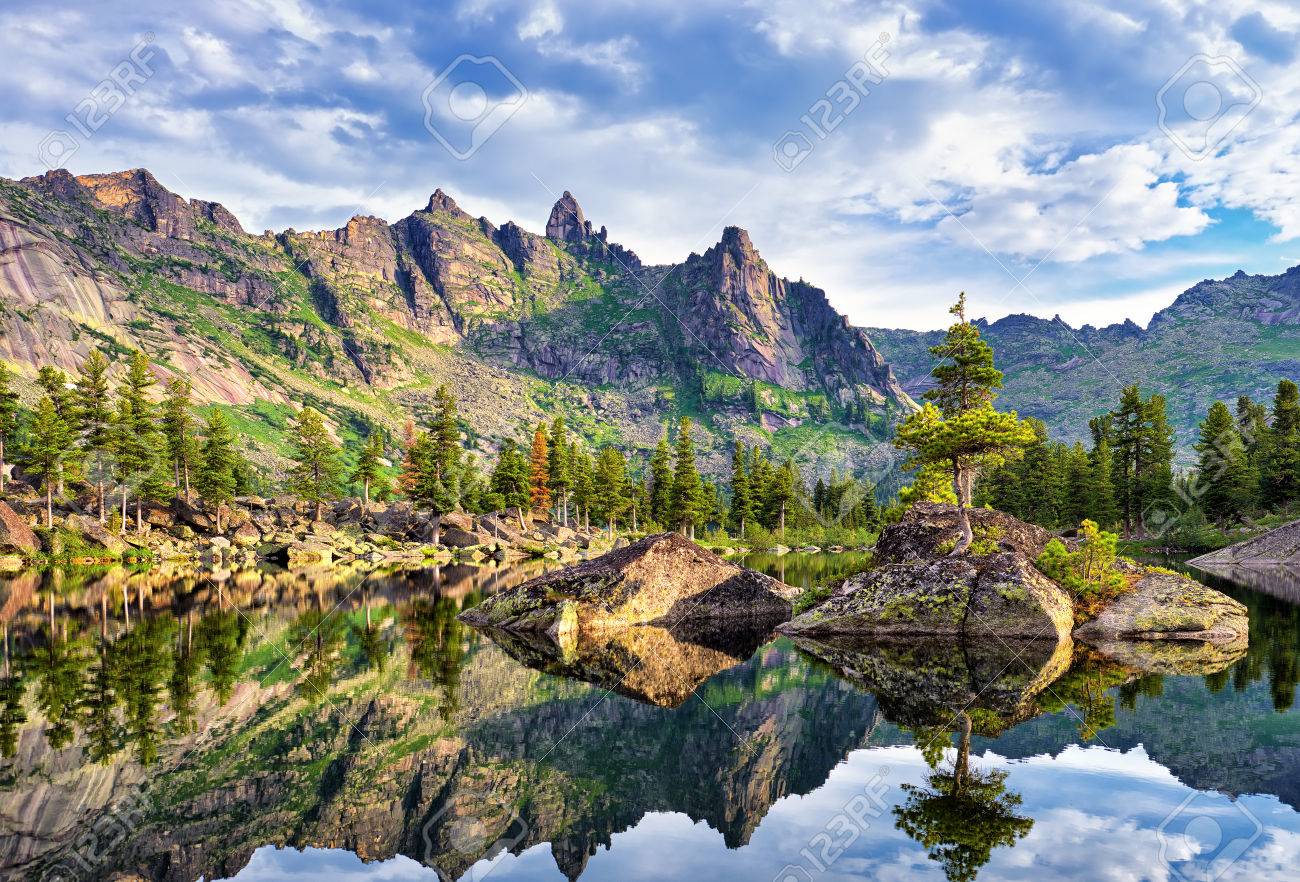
1217,340
363,321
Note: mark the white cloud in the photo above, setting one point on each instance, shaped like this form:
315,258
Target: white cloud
543,20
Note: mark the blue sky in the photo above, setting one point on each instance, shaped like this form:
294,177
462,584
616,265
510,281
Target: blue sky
1011,149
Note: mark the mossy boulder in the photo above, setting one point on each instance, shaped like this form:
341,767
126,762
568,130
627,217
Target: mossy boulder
96,534
663,580
968,597
1168,606
929,530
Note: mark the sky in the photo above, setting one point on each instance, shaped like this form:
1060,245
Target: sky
1086,159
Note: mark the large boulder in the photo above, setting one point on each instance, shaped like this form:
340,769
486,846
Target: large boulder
1167,606
456,537
15,532
663,580
928,526
97,533
1278,546
996,596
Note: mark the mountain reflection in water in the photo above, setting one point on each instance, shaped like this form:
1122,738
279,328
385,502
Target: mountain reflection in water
181,726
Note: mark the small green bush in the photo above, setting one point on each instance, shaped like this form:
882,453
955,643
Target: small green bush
811,597
1088,572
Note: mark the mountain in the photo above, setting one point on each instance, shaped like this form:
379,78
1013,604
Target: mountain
1217,340
365,321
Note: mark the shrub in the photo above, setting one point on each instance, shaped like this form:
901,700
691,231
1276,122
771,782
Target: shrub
811,597
1089,573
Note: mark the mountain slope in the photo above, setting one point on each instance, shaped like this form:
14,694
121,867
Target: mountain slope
365,321
1217,340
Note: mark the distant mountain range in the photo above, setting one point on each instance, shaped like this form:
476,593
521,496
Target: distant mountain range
1217,340
365,321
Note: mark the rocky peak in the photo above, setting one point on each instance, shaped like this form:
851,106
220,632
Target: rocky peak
139,196
567,223
440,201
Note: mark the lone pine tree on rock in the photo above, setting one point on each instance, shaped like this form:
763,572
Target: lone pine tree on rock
957,428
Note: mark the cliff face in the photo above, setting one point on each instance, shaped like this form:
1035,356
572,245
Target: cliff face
749,322
366,320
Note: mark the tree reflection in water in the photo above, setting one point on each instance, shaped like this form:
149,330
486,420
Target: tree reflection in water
961,814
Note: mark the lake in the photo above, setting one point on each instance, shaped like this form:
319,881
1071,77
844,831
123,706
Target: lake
343,725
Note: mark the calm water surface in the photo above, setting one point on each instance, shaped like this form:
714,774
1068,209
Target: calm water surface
342,725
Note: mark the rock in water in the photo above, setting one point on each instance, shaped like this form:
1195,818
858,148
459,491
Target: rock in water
996,596
14,532
1278,546
660,580
1167,606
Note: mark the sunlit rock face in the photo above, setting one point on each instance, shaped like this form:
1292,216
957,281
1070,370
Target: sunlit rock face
664,579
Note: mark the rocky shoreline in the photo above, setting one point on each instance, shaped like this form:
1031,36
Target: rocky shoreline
283,530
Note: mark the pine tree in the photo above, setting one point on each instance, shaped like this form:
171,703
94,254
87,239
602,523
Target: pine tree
539,473
431,490
510,477
51,445
94,421
215,475
445,436
178,430
1282,468
661,483
1143,445
135,443
781,495
1222,470
583,486
316,472
1101,489
369,465
560,468
609,487
742,501
8,417
686,500
963,432
410,474
1078,485
54,383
